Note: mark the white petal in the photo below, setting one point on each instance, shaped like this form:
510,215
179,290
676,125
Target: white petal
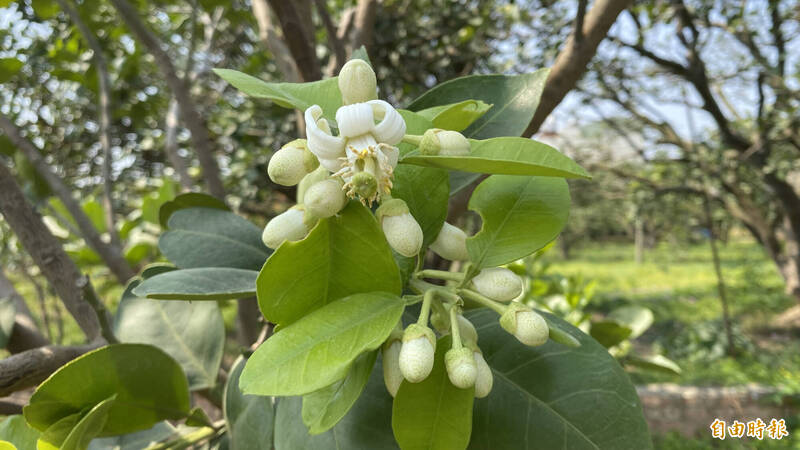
358,143
330,164
355,120
391,128
392,154
320,140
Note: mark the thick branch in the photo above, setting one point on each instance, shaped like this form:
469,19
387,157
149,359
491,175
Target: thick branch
300,46
46,252
338,50
571,62
272,40
110,254
190,112
29,368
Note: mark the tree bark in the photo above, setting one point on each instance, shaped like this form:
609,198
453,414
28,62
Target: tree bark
190,112
300,45
571,62
31,367
111,255
46,252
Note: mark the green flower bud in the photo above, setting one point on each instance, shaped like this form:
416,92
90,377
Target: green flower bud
526,325
291,163
417,354
287,226
484,379
451,243
444,142
461,367
498,283
357,82
400,228
325,198
392,376
319,174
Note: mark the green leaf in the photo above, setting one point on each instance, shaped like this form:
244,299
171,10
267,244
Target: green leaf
5,445
637,318
653,363
135,441
609,333
188,200
433,414
520,216
57,433
552,396
318,349
361,53
45,9
505,155
8,68
207,283
514,99
150,387
456,116
94,210
249,418
342,255
89,426
193,333
368,424
207,237
324,408
14,430
324,93
8,311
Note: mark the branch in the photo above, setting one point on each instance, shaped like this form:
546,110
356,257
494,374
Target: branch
339,54
46,251
31,367
363,24
270,37
201,139
110,254
300,47
571,62
104,112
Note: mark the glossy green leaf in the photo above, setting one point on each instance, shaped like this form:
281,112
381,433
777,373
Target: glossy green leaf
210,237
249,418
5,445
514,99
654,363
134,441
433,414
8,310
368,424
13,429
55,434
456,116
609,333
207,283
188,200
342,255
324,93
149,385
193,333
637,318
324,408
520,216
8,68
505,155
552,396
319,348
90,425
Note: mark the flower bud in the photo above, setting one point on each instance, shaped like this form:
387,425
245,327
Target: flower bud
324,198
461,367
444,143
287,226
392,376
498,283
451,243
291,163
467,330
484,380
319,174
417,353
357,82
400,228
526,325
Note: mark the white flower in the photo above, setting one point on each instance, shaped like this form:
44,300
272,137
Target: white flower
461,367
498,283
287,226
484,379
368,133
451,243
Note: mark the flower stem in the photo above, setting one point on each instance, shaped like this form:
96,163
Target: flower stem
454,330
420,286
412,139
478,298
425,312
440,275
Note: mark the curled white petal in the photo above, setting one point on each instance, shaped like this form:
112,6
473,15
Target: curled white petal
330,164
320,140
391,128
392,153
355,120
